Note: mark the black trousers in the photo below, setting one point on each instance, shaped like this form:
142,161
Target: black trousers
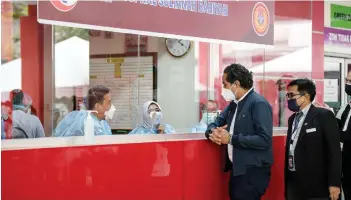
294,194
250,186
346,187
346,170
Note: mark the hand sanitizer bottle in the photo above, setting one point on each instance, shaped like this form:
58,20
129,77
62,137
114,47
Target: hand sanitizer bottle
89,134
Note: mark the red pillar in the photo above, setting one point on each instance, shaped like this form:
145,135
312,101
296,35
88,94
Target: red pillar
318,47
32,59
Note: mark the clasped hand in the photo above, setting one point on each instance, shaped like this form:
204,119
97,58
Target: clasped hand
219,135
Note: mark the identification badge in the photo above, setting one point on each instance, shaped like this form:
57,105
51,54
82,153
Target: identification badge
291,162
311,130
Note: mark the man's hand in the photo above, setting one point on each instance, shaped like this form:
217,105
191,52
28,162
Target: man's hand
160,129
215,136
224,134
334,192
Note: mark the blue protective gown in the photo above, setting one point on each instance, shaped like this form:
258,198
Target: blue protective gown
73,125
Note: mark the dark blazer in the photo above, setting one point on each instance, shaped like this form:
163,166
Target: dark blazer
346,140
317,153
253,130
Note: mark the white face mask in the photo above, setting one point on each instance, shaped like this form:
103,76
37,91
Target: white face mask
227,94
156,117
209,118
109,114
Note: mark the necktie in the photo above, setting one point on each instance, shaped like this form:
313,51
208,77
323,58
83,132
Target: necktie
297,121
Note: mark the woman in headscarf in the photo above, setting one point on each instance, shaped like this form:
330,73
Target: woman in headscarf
151,120
99,107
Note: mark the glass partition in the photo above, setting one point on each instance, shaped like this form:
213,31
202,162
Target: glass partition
136,69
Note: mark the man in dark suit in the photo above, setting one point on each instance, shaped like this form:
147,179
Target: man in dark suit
313,154
244,129
344,116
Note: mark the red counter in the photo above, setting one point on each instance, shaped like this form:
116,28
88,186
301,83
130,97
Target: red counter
177,167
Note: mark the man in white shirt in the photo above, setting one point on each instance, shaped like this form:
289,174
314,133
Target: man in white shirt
245,130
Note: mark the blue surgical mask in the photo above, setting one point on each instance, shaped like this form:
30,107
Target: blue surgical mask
209,118
292,105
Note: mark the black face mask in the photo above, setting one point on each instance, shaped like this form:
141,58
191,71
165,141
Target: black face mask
348,89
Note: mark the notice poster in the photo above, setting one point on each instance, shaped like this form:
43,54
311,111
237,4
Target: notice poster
130,80
331,93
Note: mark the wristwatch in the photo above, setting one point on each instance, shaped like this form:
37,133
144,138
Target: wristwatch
230,139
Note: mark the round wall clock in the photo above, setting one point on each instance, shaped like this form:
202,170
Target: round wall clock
177,47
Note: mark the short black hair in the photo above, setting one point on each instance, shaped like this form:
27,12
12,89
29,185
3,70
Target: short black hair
204,106
18,96
237,72
96,95
306,86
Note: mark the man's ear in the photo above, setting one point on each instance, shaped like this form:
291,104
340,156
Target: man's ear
96,106
308,95
237,83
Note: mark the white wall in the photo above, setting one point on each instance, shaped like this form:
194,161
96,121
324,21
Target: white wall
176,79
176,87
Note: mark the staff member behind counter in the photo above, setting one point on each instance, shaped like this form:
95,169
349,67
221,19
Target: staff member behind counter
209,114
245,128
24,124
151,120
99,106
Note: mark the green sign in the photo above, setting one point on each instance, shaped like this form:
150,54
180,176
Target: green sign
340,16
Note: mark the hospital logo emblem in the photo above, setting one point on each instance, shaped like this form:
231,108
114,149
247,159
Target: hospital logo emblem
260,19
64,5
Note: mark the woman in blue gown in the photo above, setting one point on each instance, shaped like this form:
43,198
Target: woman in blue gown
151,120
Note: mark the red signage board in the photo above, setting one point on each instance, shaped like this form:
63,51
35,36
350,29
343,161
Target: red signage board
242,21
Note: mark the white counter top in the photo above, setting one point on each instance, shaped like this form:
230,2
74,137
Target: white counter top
55,142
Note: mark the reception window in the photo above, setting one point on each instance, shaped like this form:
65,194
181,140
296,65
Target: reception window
181,77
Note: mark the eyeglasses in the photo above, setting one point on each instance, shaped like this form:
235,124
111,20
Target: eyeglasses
291,95
347,80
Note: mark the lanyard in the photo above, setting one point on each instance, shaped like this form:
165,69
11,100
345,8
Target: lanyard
295,132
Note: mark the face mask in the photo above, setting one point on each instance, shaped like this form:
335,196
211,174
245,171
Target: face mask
209,118
292,105
156,117
228,95
109,114
348,89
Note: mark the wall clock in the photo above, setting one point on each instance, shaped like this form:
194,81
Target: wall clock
177,47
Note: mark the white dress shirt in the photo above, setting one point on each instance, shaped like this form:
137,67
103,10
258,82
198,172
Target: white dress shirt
231,131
